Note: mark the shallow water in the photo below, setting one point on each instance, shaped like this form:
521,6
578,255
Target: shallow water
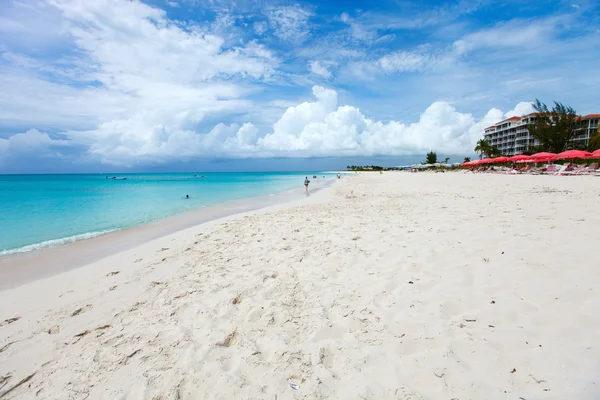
39,211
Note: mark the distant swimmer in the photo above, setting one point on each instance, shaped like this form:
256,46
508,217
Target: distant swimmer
187,196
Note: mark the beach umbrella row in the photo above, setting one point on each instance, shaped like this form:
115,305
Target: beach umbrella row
538,157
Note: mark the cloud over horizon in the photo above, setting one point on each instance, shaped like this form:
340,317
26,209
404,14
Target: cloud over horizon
131,84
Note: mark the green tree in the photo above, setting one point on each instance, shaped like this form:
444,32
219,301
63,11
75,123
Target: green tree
467,159
482,147
493,151
555,127
446,160
431,157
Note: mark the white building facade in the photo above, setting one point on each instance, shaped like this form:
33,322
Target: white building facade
511,136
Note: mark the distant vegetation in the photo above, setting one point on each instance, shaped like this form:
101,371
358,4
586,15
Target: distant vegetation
431,158
367,168
554,128
467,159
484,148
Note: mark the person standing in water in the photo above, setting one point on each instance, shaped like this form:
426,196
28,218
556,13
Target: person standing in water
306,182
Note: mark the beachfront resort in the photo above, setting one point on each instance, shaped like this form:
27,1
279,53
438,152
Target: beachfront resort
512,137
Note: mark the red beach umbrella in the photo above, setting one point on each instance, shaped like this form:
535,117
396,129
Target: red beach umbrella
573,154
544,156
485,161
519,157
500,159
596,154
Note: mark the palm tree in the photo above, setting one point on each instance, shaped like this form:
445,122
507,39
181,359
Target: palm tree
467,159
482,147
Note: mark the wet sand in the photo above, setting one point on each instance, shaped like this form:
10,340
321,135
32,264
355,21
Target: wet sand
20,268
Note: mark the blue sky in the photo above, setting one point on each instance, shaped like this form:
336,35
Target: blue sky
109,85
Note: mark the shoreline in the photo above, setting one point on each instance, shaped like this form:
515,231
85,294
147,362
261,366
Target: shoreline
418,286
20,268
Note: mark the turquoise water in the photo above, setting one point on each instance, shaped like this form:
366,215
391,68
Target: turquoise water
45,210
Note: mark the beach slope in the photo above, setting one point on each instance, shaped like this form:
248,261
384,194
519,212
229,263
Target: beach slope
419,286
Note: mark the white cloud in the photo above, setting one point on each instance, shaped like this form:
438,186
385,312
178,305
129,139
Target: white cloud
321,68
172,3
129,85
523,108
395,62
290,23
314,128
321,128
260,27
513,34
32,142
155,82
403,61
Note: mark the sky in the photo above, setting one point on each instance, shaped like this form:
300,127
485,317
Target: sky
166,85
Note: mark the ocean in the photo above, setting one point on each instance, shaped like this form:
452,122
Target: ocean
39,211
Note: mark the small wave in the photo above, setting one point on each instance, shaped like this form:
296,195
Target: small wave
54,242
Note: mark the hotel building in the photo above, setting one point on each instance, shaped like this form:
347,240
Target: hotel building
511,136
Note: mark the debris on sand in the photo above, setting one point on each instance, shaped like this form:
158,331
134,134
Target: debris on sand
5,347
9,321
23,381
229,340
103,327
134,353
113,273
81,310
80,335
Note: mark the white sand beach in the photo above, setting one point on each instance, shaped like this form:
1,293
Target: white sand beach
420,286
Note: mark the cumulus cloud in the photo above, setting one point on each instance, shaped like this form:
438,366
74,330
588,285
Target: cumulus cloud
31,142
320,127
323,128
523,108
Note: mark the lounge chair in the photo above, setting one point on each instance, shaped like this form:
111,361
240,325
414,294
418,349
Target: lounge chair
591,169
527,169
576,171
562,169
550,169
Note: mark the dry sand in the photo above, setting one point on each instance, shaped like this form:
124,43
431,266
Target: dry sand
422,286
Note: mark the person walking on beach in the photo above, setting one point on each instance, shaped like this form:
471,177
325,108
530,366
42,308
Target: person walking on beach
306,182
